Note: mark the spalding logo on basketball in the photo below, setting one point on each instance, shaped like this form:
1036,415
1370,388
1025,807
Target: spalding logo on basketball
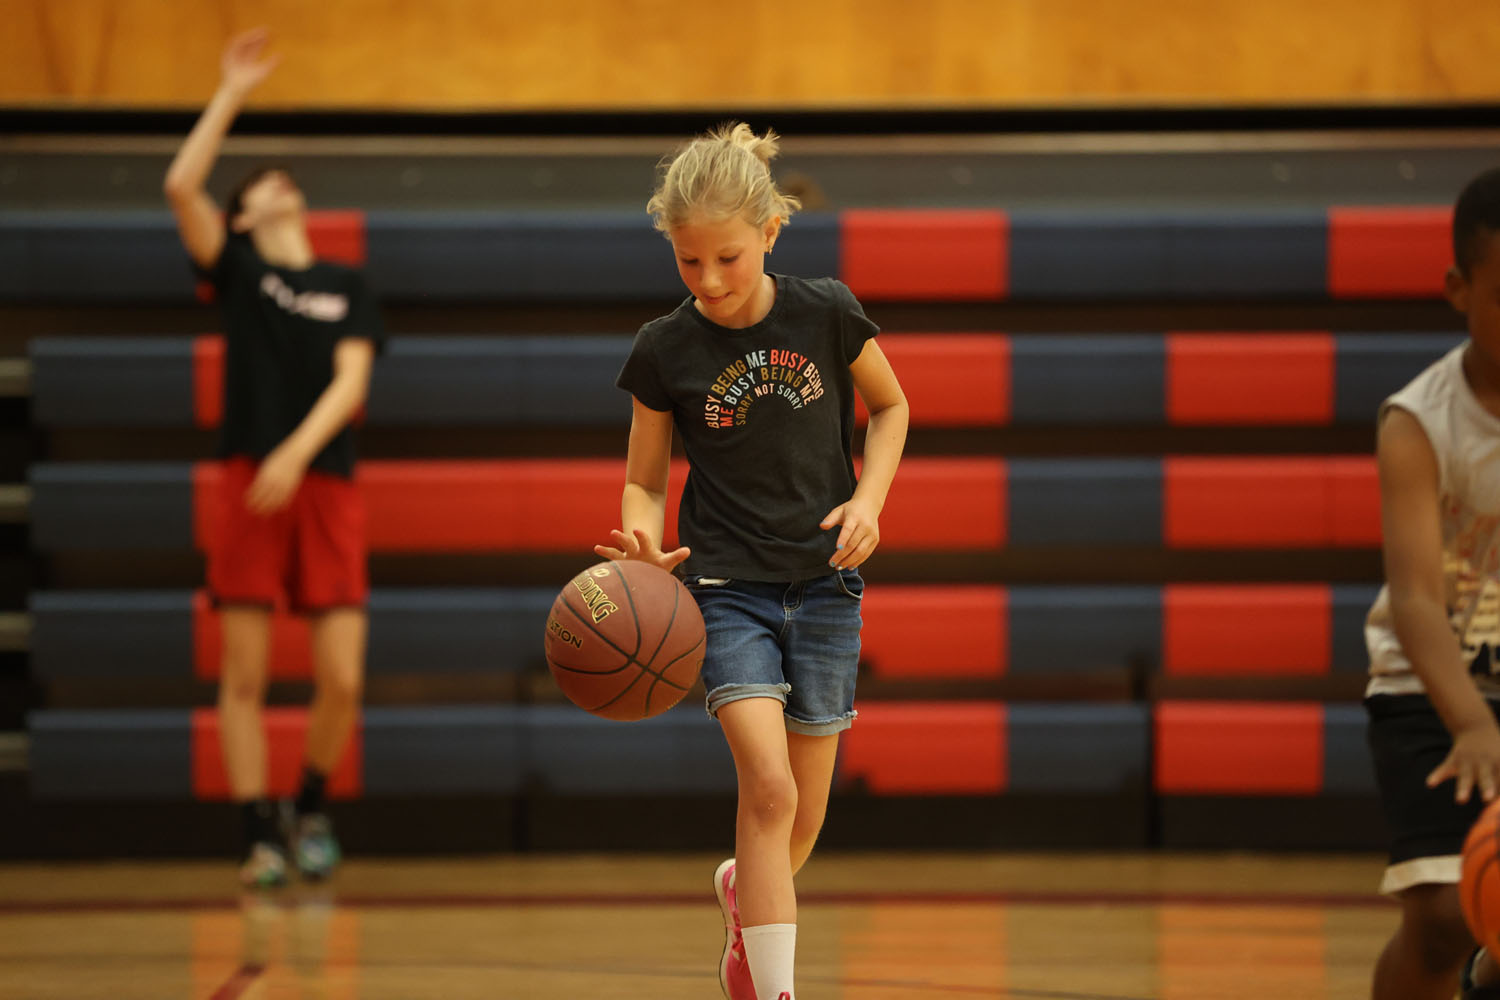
624,640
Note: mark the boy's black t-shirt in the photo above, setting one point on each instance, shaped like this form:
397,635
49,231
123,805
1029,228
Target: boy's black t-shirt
280,329
766,416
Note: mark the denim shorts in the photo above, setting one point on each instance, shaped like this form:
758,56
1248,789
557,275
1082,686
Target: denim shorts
795,642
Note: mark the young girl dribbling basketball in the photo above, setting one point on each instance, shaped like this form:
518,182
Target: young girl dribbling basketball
757,372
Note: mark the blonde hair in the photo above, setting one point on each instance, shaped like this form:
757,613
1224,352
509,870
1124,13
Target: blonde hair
720,175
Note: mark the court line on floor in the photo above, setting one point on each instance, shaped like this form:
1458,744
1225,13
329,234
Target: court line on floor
235,986
580,900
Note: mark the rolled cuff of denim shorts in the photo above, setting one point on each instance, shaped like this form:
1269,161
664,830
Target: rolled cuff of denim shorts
725,693
827,727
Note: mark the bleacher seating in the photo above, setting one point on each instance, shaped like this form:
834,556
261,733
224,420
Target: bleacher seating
417,750
542,505
958,255
988,631
952,380
971,506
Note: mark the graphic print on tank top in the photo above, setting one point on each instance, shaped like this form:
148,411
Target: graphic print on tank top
1474,568
761,377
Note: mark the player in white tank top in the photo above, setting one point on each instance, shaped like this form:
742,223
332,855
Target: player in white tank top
1434,629
1465,441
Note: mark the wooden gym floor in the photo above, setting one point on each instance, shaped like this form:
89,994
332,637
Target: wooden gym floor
872,927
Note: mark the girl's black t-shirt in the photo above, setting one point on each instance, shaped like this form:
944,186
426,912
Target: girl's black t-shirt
280,329
766,417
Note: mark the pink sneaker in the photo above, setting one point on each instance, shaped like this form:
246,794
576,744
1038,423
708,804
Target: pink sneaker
734,969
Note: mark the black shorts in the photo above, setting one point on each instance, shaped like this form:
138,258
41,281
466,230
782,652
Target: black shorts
1427,828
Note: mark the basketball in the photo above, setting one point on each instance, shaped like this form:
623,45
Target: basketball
1480,884
624,640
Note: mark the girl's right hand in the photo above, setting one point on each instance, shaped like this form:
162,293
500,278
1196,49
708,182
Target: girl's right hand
641,547
242,65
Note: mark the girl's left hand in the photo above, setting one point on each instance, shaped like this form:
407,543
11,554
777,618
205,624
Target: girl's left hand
859,536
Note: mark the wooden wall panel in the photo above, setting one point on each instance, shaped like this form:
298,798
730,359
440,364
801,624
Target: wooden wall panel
509,54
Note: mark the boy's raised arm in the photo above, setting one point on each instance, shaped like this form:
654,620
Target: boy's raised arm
198,220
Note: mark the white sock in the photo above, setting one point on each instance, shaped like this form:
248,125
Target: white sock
771,950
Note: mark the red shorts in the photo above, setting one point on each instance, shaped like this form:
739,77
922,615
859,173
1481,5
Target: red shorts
309,556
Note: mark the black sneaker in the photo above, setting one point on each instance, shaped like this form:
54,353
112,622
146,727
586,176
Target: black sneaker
314,846
1467,989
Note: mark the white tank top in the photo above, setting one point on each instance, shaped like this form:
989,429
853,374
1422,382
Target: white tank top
1465,437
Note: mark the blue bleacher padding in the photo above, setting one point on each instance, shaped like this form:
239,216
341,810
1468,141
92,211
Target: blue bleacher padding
1347,768
1049,749
1070,255
1085,501
89,505
438,750
111,755
1073,629
120,634
567,380
417,750
1066,749
615,255
809,247
553,256
132,256
1371,367
482,381
1086,378
518,255
679,752
111,506
458,630
112,381
136,256
1351,603
82,634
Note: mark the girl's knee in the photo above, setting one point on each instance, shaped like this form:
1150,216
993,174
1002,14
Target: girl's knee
809,821
343,684
241,687
769,795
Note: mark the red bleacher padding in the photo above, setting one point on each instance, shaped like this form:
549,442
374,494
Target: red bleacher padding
899,254
1354,500
1309,502
1254,379
208,380
290,643
1239,748
927,748
286,735
338,235
1247,630
1386,252
526,504
539,505
951,380
946,503
935,632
